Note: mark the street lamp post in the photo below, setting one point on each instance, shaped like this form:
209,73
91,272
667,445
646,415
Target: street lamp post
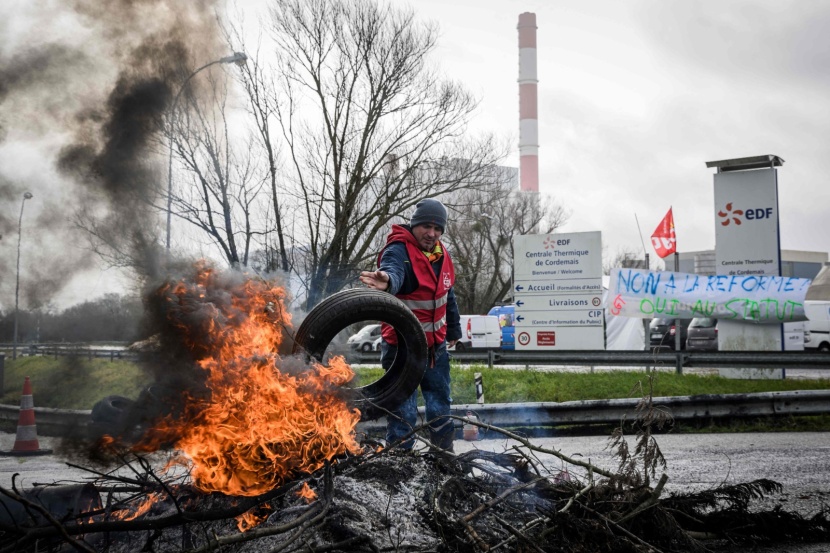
238,58
26,196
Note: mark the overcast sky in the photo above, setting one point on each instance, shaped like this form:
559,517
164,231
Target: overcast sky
634,98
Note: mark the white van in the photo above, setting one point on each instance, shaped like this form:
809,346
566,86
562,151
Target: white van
817,309
365,338
817,335
479,332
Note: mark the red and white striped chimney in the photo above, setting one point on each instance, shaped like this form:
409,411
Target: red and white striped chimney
528,109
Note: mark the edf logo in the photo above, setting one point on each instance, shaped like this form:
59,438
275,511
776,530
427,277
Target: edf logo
732,215
550,243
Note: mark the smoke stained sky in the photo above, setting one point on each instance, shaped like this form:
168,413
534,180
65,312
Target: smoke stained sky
84,87
634,98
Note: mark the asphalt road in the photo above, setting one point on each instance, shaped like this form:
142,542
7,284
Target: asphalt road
799,461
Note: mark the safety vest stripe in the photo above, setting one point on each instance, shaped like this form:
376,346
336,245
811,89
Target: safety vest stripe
434,327
426,304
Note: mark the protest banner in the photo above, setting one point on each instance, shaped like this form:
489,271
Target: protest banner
752,298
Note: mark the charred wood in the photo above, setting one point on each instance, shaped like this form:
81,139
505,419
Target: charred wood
392,500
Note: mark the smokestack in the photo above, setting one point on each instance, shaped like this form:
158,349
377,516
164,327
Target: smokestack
528,110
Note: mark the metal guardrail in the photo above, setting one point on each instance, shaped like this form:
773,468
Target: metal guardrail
85,352
728,359
50,422
612,411
631,358
60,422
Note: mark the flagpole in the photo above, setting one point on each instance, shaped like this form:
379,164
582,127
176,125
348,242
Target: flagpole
676,253
645,251
678,328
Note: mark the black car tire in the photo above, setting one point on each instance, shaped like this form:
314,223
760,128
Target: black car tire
340,310
459,347
109,417
111,409
366,348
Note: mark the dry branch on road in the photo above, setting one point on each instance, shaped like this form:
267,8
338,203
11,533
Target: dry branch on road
387,499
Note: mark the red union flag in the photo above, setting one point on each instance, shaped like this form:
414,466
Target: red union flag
663,238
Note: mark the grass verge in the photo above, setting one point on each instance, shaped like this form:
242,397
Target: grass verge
513,386
70,382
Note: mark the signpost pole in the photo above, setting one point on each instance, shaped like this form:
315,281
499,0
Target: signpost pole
646,326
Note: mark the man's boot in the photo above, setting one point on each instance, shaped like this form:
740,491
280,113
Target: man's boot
443,441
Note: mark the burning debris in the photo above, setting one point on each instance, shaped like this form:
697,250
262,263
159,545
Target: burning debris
387,500
244,418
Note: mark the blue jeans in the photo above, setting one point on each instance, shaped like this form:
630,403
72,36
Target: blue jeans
435,386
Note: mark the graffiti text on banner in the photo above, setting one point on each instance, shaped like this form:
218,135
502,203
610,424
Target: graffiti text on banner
756,298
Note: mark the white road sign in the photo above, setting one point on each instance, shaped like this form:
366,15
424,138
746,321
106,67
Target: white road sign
746,229
747,243
557,283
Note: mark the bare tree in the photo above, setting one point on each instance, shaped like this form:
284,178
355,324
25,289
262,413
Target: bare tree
366,126
626,258
222,191
480,238
257,79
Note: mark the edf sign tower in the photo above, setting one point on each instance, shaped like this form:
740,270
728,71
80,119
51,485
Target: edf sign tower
747,239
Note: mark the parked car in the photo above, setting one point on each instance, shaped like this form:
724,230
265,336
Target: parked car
662,332
376,344
702,334
479,332
364,339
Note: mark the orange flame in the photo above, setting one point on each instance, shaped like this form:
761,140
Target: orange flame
253,518
307,493
258,426
141,509
107,442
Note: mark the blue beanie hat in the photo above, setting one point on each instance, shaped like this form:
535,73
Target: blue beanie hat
429,211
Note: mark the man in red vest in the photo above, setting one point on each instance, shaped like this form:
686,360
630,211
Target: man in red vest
415,267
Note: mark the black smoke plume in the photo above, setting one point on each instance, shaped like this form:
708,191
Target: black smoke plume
85,89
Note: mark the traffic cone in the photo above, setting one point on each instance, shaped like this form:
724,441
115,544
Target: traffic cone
26,442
